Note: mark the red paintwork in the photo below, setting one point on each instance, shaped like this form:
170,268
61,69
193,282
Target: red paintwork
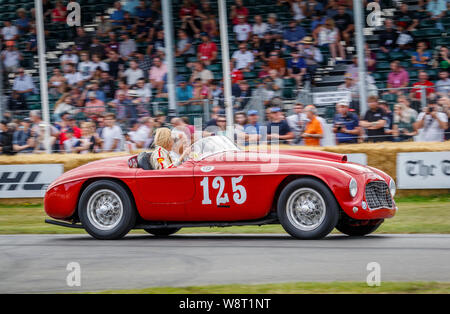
176,194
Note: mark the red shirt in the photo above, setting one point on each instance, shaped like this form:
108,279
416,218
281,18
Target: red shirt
206,50
63,137
240,11
59,15
236,76
429,88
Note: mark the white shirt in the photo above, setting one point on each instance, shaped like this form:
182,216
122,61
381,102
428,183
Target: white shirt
73,58
69,144
9,32
109,134
242,59
73,78
431,132
242,31
260,29
11,58
103,65
133,75
23,83
294,119
142,134
86,69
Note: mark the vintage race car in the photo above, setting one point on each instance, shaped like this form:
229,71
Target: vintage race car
308,192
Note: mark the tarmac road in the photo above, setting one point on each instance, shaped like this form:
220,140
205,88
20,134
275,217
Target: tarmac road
37,263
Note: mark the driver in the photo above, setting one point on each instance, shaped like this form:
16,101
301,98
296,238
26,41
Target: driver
161,157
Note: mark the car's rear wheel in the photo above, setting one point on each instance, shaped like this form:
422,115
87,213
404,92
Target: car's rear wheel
358,230
106,210
162,232
307,209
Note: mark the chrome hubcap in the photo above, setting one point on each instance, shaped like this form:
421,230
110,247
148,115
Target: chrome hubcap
105,209
306,209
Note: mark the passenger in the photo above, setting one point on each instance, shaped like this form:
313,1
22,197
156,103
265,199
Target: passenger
161,157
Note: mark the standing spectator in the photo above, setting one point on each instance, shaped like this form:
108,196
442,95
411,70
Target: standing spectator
313,130
388,37
252,129
243,58
259,28
200,72
133,73
436,9
23,83
397,78
144,134
17,102
374,121
9,31
278,128
6,137
111,135
207,50
421,56
23,140
298,9
59,13
157,73
274,27
297,122
10,58
238,10
431,124
403,124
242,30
87,140
344,22
346,125
416,91
71,143
443,84
242,95
293,35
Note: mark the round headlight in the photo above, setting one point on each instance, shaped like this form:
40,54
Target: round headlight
353,187
392,187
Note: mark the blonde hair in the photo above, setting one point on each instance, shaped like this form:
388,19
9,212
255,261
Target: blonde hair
163,137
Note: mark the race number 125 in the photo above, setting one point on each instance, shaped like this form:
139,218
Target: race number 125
218,183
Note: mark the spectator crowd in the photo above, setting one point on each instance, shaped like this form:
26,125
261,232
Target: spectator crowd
106,83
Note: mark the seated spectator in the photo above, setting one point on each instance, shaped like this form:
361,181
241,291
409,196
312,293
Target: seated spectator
312,55
431,123
63,105
22,23
277,63
57,82
277,82
243,58
184,92
267,45
298,8
442,60
115,64
200,72
374,121
184,48
82,40
311,7
293,35
111,135
104,26
397,78
421,56
236,74
313,129
31,44
277,128
404,39
259,28
274,27
6,137
143,91
238,10
118,15
94,106
112,44
297,122
126,110
133,73
346,125
23,139
403,101
388,37
9,32
207,50
209,25
389,117
127,47
72,76
70,56
157,73
17,102
403,124
23,83
255,47
436,9
405,18
97,63
242,29
370,59
350,86
344,22
107,85
296,67
423,82
85,67
327,35
59,13
443,84
242,93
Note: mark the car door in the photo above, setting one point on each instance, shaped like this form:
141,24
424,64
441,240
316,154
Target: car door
163,194
230,190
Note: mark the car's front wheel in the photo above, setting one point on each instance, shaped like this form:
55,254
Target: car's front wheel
307,209
162,232
106,210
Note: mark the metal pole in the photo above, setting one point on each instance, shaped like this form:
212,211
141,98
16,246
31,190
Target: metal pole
168,43
226,66
2,109
359,26
43,72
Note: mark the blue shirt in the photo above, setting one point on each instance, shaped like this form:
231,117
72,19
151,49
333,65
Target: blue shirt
118,15
184,94
283,127
252,128
350,121
300,63
416,55
295,34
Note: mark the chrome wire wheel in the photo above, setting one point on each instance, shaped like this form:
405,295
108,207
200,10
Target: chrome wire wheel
306,209
104,209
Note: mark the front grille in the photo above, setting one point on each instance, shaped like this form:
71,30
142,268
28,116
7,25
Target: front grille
378,195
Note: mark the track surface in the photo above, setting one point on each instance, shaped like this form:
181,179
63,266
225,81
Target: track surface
37,263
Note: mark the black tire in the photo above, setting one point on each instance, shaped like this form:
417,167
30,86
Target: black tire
124,224
162,232
329,220
357,231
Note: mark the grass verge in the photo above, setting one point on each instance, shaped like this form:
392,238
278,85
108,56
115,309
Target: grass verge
416,215
299,287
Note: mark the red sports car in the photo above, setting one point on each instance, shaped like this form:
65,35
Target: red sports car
308,192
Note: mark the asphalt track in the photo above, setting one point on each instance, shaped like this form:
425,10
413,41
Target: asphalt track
37,263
